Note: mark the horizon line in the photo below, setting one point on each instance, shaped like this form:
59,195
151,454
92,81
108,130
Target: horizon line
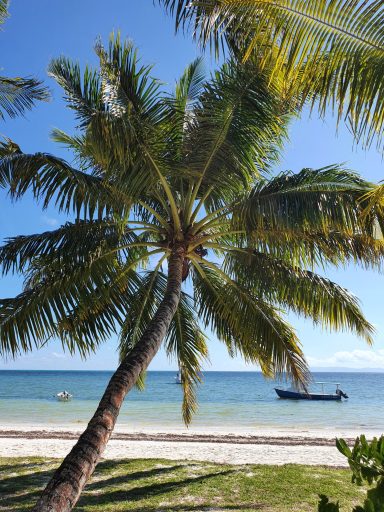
338,369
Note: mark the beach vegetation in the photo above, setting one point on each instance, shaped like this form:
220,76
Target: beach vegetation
331,52
366,461
178,226
153,485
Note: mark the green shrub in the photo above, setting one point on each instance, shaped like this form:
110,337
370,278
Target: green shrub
366,460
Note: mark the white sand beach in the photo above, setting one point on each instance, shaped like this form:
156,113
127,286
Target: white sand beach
314,447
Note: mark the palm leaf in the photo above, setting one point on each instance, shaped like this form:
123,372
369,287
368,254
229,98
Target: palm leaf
141,310
301,291
20,94
180,107
312,249
41,310
53,180
187,343
237,129
3,10
81,91
322,199
119,111
76,242
127,87
247,324
332,49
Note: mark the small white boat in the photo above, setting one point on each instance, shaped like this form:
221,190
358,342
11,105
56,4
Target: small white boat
178,378
64,396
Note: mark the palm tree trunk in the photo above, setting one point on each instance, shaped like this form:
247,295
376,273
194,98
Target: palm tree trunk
67,483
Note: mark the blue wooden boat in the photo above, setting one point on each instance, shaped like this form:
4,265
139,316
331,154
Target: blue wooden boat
303,395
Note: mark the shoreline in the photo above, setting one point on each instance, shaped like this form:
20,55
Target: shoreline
173,437
233,434
267,446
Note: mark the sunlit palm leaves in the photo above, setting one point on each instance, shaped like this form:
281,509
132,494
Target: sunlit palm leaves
330,51
301,291
18,94
155,172
3,10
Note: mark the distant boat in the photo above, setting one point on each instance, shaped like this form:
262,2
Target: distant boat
300,394
178,378
64,396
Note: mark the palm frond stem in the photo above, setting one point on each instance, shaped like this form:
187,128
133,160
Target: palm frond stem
168,192
225,248
151,210
200,204
226,123
213,236
146,297
203,225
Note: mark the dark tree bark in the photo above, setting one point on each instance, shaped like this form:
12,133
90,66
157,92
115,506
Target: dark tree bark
68,481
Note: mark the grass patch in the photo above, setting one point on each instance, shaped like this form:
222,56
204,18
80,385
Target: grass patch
176,486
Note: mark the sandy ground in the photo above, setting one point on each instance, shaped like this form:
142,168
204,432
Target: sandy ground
262,447
213,452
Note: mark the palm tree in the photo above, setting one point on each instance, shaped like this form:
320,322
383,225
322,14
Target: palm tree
18,94
332,52
170,189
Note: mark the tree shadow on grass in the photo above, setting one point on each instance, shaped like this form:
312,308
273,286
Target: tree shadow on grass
199,508
123,479
22,466
142,492
20,490
38,478
20,502
18,493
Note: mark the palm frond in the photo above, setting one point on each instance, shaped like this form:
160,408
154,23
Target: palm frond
238,129
20,94
180,107
127,86
3,10
187,343
82,90
101,312
323,200
333,50
247,324
42,310
118,108
141,310
138,117
373,202
76,242
306,248
301,291
190,85
53,180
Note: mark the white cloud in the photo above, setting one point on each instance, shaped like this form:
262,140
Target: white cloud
50,221
352,359
58,356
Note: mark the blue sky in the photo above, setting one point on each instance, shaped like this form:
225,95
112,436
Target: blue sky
40,30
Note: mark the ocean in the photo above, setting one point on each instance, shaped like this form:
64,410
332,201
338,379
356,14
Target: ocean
228,401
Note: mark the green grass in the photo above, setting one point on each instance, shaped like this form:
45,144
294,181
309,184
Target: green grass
164,485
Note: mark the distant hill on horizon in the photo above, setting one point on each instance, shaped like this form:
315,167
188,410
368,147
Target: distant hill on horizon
342,369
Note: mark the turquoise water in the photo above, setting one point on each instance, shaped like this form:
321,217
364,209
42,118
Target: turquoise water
227,401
